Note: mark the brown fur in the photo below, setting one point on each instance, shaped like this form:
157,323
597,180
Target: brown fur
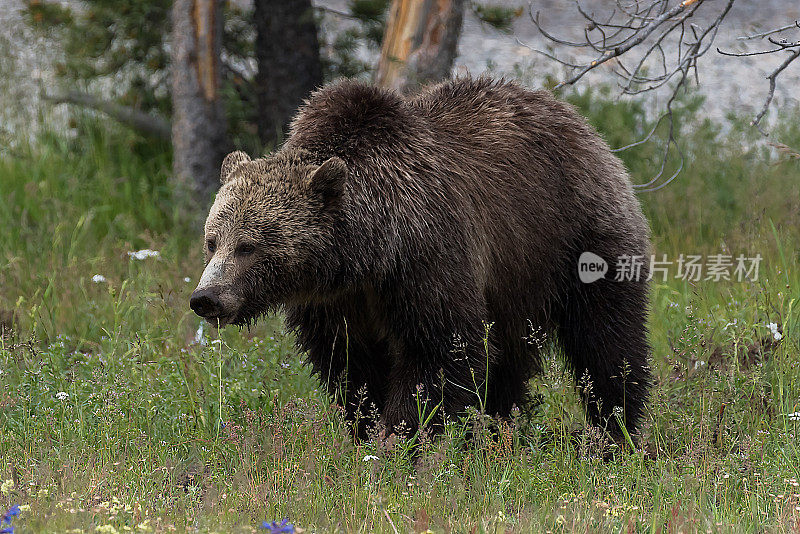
433,220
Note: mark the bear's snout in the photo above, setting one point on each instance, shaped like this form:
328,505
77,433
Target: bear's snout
206,303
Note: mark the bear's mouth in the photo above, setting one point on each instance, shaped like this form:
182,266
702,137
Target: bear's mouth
220,321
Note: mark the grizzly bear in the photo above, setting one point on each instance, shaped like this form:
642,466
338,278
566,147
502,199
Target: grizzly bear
416,243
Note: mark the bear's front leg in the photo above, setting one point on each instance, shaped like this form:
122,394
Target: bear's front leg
350,362
440,361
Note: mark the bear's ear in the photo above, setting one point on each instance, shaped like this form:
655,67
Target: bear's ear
328,179
229,164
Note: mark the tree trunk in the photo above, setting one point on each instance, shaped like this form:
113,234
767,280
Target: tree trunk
421,42
198,121
289,67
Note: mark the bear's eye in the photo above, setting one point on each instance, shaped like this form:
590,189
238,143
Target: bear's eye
211,244
245,249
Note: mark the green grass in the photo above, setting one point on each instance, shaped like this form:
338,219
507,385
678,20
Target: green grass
160,433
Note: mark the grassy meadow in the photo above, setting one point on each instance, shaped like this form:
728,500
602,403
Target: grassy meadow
118,415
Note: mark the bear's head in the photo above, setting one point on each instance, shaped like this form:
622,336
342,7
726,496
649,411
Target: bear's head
267,235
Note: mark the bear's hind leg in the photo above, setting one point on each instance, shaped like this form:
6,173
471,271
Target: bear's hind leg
603,332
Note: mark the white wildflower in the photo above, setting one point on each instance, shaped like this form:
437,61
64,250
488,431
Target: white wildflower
62,395
187,279
99,279
732,323
776,335
144,254
6,487
200,335
369,457
794,416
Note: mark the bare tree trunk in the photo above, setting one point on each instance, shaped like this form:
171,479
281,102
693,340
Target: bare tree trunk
289,67
421,42
198,121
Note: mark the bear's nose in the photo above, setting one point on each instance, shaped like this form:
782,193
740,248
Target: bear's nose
205,303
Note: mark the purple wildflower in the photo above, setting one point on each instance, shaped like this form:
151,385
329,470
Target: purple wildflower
284,527
12,512
5,522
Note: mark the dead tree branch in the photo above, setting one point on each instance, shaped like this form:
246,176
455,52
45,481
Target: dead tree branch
648,44
769,32
772,83
138,120
646,28
613,38
336,12
780,45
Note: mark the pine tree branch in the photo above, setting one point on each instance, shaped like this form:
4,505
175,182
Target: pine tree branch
138,120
